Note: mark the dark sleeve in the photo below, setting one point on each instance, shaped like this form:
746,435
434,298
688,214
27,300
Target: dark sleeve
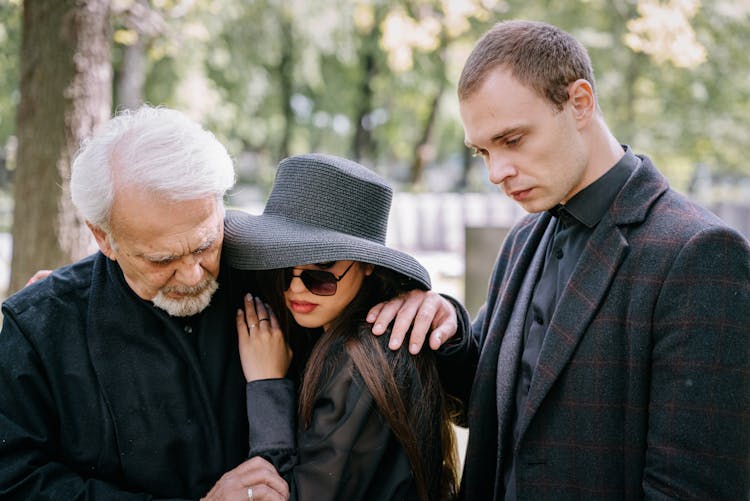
271,416
348,452
30,464
457,359
699,409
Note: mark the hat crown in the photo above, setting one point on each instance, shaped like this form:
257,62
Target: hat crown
331,192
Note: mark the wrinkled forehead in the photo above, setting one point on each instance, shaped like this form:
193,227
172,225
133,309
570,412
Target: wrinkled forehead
148,220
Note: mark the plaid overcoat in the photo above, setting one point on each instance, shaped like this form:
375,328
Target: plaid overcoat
642,388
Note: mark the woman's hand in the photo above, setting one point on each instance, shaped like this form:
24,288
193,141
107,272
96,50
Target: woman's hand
263,350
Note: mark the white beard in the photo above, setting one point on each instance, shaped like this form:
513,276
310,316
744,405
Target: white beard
198,298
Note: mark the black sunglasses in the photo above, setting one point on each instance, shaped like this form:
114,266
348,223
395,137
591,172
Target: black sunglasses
319,282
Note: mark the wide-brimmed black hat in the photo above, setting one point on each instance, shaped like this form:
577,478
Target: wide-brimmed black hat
322,208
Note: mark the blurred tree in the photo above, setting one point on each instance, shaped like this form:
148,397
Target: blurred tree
420,38
10,41
285,73
369,57
252,63
139,25
375,79
673,76
65,93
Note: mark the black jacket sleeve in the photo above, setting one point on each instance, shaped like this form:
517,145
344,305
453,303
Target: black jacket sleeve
31,465
348,452
271,416
457,362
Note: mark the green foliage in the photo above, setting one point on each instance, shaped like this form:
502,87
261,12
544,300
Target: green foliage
273,77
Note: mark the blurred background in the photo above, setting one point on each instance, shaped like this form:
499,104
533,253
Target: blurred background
373,80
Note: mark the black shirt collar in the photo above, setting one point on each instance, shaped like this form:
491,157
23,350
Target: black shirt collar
589,205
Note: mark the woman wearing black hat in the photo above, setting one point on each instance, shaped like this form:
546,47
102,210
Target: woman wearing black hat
373,423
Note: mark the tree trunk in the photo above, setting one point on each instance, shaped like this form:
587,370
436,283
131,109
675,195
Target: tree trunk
363,148
286,80
362,142
421,155
132,76
66,91
422,151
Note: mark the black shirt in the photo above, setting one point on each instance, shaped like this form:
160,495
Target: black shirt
573,223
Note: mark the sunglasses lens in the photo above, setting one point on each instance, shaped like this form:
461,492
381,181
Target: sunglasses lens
321,283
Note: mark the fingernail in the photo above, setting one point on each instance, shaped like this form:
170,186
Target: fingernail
414,349
248,297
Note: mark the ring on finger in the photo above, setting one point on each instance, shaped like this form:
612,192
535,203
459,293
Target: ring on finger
261,319
250,493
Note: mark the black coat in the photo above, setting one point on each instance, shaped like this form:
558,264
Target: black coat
348,452
103,396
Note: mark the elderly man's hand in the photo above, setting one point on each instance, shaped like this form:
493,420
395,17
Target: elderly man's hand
427,310
40,274
256,479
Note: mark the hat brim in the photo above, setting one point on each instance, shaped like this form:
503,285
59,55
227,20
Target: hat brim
268,242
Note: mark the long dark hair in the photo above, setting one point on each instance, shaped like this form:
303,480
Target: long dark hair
406,388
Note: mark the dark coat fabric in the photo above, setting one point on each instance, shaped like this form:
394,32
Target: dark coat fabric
349,452
642,387
104,396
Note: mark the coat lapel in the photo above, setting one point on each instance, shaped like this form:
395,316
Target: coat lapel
494,378
590,281
510,348
579,302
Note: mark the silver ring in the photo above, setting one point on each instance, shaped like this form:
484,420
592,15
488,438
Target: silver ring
253,325
250,494
261,319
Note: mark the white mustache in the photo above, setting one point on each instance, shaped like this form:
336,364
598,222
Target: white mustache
191,290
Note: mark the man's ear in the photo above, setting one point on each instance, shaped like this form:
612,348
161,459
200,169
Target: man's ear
582,100
103,241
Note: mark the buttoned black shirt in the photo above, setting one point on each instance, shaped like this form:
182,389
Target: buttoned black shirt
573,223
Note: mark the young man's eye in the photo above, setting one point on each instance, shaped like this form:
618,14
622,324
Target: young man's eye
513,141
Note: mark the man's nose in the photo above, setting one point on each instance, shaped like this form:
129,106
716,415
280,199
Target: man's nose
499,169
190,271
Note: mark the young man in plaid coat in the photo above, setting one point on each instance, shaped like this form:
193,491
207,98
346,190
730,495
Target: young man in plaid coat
614,347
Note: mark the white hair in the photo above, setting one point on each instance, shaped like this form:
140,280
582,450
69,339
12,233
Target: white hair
157,149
